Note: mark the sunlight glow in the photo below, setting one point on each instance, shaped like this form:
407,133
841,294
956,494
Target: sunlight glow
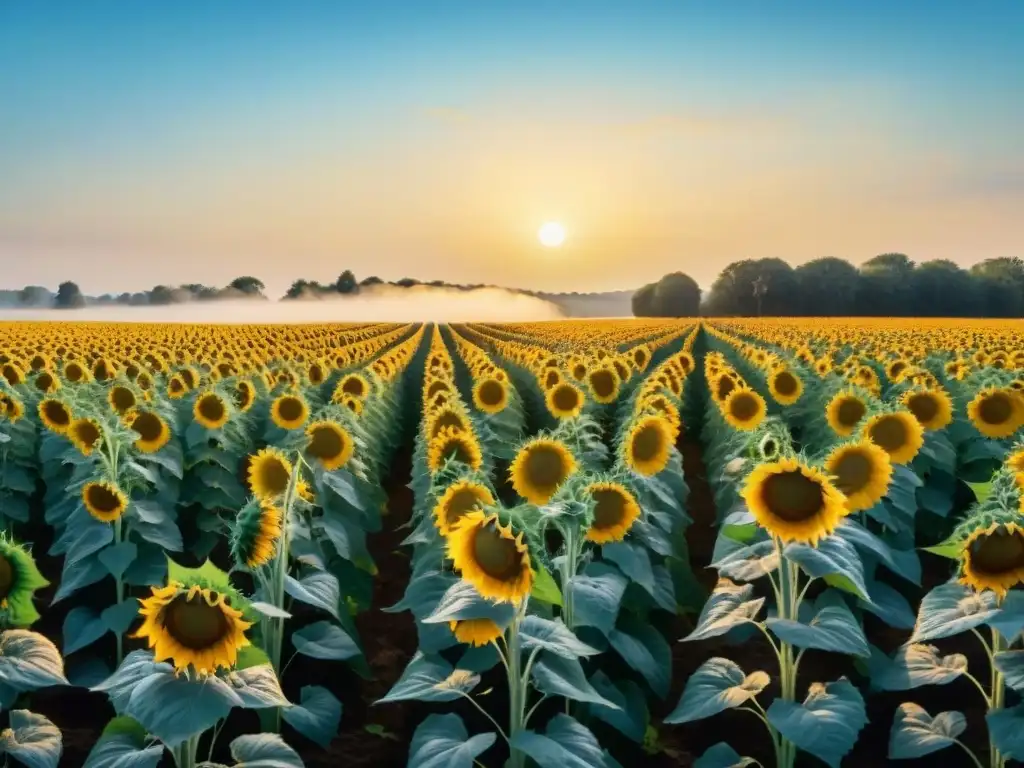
551,234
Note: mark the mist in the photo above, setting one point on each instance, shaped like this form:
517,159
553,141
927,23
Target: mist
381,303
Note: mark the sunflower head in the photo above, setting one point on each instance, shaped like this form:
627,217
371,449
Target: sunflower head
540,467
269,474
451,444
244,394
11,408
255,534
992,557
289,411
996,412
354,384
565,400
459,499
476,632
46,382
121,399
722,385
84,434
210,410
176,387
744,409
152,430
192,626
104,500
861,471
55,415
19,581
793,501
443,418
932,408
604,384
329,443
490,395
491,557
615,510
785,386
898,433
76,373
648,445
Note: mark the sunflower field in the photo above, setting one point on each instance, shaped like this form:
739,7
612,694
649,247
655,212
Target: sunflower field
593,543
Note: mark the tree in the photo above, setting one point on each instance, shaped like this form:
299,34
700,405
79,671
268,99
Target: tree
346,282
250,286
371,280
676,295
826,288
34,296
407,282
942,289
733,292
69,296
999,286
124,298
885,287
161,294
643,301
297,289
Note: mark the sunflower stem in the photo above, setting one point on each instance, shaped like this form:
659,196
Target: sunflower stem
788,604
997,695
185,753
517,690
118,535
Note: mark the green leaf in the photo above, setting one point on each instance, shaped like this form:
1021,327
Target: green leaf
597,596
749,563
545,589
29,661
264,750
645,649
950,609
834,556
915,733
251,656
918,664
319,589
981,490
32,740
82,627
1006,729
118,557
258,687
317,717
717,685
208,574
631,717
559,676
324,640
721,755
633,560
825,724
116,749
833,628
729,606
430,678
136,667
566,744
441,741
552,636
951,548
462,601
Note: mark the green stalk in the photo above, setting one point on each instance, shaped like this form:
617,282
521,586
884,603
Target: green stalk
997,696
517,688
185,753
788,603
118,538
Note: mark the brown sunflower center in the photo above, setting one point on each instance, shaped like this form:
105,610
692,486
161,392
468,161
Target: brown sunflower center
176,385
744,406
785,383
102,498
243,395
73,372
496,555
551,378
444,420
609,508
546,466
148,426
724,387
189,378
603,383
44,381
273,475
579,371
212,408
316,374
354,386
290,408
86,431
194,623
326,442
56,413
462,501
998,552
853,471
924,406
566,398
456,448
6,577
491,393
122,398
850,411
648,443
996,408
896,368
100,370
792,496
890,432
438,385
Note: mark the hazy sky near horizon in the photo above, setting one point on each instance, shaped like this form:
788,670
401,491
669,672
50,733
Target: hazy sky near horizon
147,143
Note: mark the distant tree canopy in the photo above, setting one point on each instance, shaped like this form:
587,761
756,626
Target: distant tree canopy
69,296
675,295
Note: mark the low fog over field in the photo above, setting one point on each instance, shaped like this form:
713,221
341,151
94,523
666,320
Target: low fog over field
377,304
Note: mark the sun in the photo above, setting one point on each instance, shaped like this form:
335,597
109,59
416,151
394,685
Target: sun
551,234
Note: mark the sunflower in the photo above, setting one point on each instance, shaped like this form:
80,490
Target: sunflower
861,471
648,446
193,627
244,394
932,408
353,403
490,395
1015,461
615,510
152,430
289,411
491,558
55,415
844,412
604,385
255,533
565,401
46,382
330,444
785,387
121,399
722,385
793,501
269,473
354,384
19,581
176,387
11,407
84,434
442,418
210,410
459,499
995,412
744,409
540,467
105,501
12,373
475,632
898,432
993,558
458,444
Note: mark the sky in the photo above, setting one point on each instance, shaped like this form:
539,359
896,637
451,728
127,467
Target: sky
193,142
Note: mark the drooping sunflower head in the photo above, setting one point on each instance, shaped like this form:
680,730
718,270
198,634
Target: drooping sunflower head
329,443
491,557
793,501
211,410
153,431
844,412
289,411
176,387
55,414
104,500
898,433
615,510
648,445
451,444
46,382
269,473
476,632
121,399
861,471
255,533
490,395
932,408
604,384
565,400
458,500
996,412
785,386
540,466
192,626
744,409
19,581
992,557
84,434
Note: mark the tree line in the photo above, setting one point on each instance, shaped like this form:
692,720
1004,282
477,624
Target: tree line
889,285
70,296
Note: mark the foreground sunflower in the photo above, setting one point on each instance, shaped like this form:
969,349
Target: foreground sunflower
55,415
793,501
490,395
84,434
459,499
104,501
289,411
615,511
454,444
210,410
744,409
192,627
996,413
19,581
932,408
491,558
648,446
269,473
255,533
861,471
604,385
540,467
785,386
993,558
564,401
898,432
330,444
152,430
844,412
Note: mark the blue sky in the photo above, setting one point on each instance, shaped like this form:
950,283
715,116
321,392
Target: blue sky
145,143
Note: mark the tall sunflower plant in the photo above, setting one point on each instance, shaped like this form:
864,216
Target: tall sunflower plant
791,532
112,505
197,666
984,599
494,550
29,661
19,465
